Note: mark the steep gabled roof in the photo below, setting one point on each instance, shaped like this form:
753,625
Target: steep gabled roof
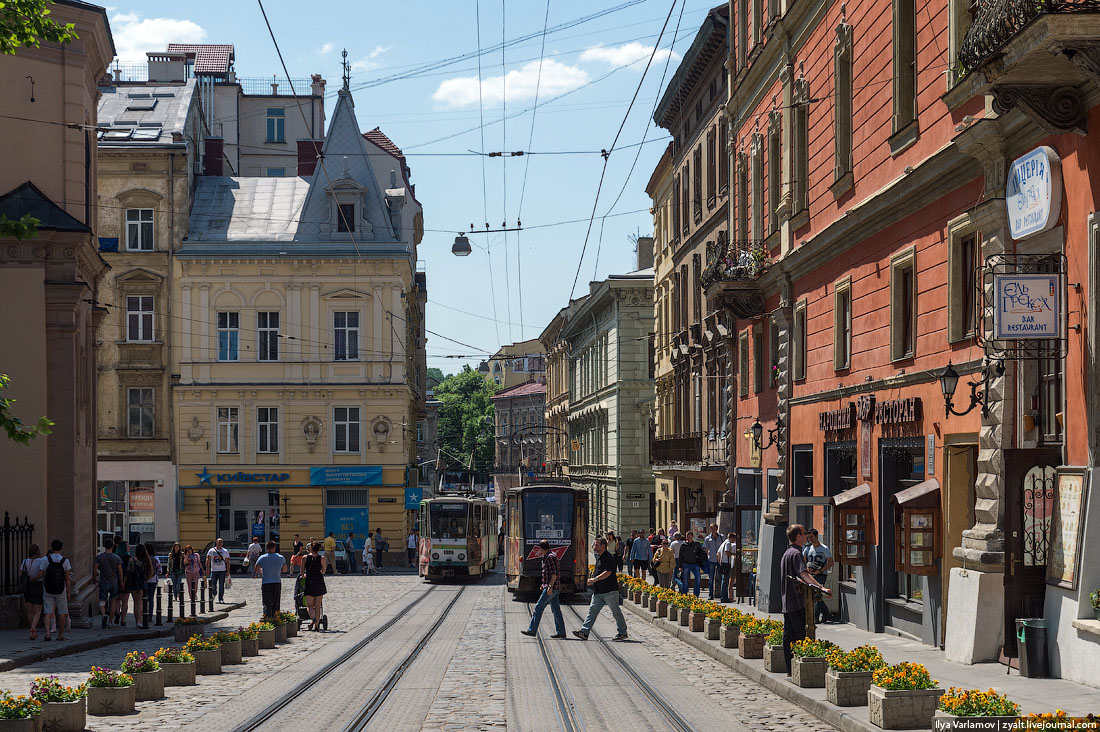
27,199
379,138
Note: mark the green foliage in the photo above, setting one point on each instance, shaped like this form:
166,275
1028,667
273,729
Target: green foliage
14,426
466,418
24,228
26,23
435,377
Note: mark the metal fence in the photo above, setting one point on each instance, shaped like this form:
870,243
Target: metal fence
14,540
262,85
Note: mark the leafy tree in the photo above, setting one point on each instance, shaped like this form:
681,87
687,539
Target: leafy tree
24,228
466,418
26,23
14,426
435,377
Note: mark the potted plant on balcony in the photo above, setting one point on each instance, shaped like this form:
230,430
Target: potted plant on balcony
178,666
145,671
849,675
19,713
989,705
207,653
184,628
230,646
110,692
903,696
64,708
774,662
809,662
250,640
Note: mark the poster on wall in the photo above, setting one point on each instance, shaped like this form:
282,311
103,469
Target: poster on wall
1064,558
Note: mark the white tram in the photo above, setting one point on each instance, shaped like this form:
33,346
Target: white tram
458,537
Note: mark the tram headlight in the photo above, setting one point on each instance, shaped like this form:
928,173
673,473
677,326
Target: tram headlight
461,557
435,556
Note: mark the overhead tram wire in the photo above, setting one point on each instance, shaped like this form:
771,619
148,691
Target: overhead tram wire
611,149
504,166
484,183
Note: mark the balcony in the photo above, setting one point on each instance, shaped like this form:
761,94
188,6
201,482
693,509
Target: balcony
694,450
731,278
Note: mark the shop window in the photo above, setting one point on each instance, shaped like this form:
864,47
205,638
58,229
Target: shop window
903,306
228,429
842,325
852,526
917,542
229,336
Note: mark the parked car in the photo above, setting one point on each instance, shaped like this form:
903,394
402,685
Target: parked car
238,550
341,559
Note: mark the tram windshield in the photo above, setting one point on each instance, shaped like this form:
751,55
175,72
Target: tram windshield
547,515
449,520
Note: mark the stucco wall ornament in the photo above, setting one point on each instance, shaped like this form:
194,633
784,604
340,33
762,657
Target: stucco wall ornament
196,430
380,428
311,430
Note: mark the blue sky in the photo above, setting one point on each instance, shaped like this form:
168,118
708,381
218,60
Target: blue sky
532,271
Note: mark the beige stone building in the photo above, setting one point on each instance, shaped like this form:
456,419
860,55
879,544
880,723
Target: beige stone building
300,366
517,363
48,286
557,389
519,413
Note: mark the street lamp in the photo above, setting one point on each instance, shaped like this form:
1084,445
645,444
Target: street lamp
758,433
461,247
949,381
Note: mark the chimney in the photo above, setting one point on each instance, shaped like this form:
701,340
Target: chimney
165,66
308,150
118,74
645,252
274,88
214,156
317,87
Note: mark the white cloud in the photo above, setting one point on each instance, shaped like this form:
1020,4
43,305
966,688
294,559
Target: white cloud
635,54
370,61
326,49
135,35
557,78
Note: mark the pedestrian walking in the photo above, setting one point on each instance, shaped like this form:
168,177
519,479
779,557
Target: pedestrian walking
675,544
349,545
640,556
664,562
297,544
381,546
122,549
107,573
793,573
605,591
819,560
330,552
255,549
192,570
138,571
314,568
368,560
272,566
176,571
32,588
620,552
712,542
654,544
296,561
673,530
626,552
56,573
551,593
217,567
411,546
727,557
151,583
692,558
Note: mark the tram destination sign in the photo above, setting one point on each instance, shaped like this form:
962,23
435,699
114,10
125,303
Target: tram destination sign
1028,306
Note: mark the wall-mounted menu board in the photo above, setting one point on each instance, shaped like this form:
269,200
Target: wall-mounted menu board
1064,555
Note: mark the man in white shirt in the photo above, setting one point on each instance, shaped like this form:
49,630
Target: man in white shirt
411,546
711,542
217,567
727,554
55,571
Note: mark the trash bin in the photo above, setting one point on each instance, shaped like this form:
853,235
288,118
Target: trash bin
1031,640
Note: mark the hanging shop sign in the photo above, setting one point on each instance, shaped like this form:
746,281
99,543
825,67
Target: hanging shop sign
1027,306
898,411
1033,193
837,419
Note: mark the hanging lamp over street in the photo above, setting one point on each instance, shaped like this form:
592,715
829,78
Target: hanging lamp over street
461,247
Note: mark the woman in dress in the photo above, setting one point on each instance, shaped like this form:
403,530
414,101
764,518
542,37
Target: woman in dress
192,570
314,567
176,571
32,595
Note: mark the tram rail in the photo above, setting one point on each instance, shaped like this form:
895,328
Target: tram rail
567,710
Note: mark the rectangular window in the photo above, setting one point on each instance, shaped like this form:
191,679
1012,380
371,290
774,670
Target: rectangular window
757,187
267,429
345,429
758,359
276,172
798,344
962,282
775,170
684,296
773,350
723,160
229,336
267,335
842,122
1050,397
743,365
139,407
697,289
675,208
712,177
685,210
139,318
800,157
743,200
346,327
228,429
697,184
742,32
345,217
139,229
276,129
842,325
905,63
903,307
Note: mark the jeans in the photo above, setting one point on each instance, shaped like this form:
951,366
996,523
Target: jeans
351,562
821,610
149,600
554,601
794,629
687,571
723,582
712,573
217,580
270,594
611,599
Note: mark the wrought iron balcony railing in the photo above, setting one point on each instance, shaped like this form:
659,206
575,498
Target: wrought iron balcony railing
739,260
996,22
682,448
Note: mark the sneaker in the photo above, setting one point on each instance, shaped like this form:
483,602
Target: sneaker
558,635
528,632
620,637
580,634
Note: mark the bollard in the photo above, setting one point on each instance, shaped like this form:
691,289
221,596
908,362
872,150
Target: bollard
202,596
210,596
160,618
147,610
192,591
171,594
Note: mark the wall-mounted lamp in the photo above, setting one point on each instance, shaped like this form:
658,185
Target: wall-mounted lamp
758,433
949,380
286,508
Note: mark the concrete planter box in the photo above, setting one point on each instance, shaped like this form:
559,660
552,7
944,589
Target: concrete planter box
710,628
727,636
674,613
280,633
943,720
250,646
662,609
149,686
179,674
70,716
750,646
847,688
30,724
111,700
685,617
695,621
231,653
292,629
622,590
208,663
183,632
652,603
267,639
809,672
774,662
903,708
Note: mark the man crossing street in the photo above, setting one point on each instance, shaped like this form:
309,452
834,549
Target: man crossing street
551,593
605,591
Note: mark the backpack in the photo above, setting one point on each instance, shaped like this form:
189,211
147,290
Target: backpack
54,580
135,574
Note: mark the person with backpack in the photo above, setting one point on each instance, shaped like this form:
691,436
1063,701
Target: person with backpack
107,573
138,571
692,558
55,572
31,585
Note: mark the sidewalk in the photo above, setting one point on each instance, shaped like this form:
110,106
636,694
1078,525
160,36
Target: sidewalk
1033,695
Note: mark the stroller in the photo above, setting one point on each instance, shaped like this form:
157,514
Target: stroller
300,608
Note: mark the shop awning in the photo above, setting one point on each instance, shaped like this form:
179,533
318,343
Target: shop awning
922,495
858,497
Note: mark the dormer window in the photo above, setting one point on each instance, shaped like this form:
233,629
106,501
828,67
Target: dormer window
345,217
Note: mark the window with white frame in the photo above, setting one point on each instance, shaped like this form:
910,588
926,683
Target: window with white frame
346,330
267,335
229,335
267,429
276,124
139,318
228,429
903,306
139,229
842,324
345,429
140,412
798,342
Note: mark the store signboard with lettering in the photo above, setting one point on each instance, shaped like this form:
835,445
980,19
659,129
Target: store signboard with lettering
1033,193
1027,306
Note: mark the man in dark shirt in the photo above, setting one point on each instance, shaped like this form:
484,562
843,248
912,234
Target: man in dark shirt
551,593
605,591
792,568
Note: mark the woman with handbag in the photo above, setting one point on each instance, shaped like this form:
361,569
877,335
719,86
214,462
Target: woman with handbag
314,586
176,571
30,582
192,570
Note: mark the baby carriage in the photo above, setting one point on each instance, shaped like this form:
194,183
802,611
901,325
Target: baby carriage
300,608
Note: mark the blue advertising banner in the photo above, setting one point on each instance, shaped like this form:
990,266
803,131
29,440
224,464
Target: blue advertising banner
346,475
343,521
414,494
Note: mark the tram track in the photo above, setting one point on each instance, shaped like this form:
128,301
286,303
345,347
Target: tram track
567,709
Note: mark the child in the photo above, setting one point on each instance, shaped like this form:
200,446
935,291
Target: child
368,560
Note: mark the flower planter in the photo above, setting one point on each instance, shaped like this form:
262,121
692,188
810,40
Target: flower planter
27,724
250,646
70,716
662,608
685,617
674,613
847,688
652,603
292,629
710,628
208,663
231,653
695,621
809,672
178,674
902,708
773,659
727,636
750,646
943,720
280,633
111,700
149,685
183,632
267,638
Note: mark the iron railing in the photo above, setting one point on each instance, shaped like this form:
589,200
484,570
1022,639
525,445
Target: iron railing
15,538
682,448
736,260
262,85
996,22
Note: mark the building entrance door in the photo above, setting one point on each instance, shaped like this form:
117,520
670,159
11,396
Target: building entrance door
1029,512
